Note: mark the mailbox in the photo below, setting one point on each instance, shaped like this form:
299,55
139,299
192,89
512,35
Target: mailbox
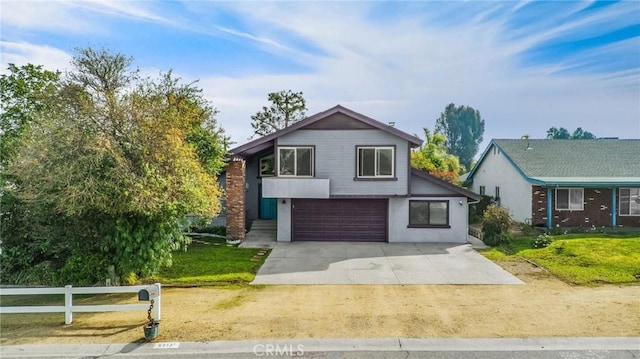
151,292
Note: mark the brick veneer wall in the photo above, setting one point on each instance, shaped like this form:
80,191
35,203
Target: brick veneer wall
597,210
235,199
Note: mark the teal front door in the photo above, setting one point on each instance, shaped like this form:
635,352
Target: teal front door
268,206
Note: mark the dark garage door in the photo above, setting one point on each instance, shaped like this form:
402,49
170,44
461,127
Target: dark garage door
361,220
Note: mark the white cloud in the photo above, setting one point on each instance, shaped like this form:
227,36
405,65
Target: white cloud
22,53
407,71
404,69
65,16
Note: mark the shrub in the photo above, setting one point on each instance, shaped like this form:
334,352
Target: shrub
500,239
476,210
543,240
495,225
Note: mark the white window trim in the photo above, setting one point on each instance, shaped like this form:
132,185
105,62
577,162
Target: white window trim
375,159
295,160
620,203
569,199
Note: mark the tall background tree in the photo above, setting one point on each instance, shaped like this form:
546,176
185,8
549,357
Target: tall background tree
286,108
463,127
562,134
23,93
105,173
434,158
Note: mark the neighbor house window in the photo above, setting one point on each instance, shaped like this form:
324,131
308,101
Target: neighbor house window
497,196
482,190
428,213
629,201
295,161
375,162
267,166
570,199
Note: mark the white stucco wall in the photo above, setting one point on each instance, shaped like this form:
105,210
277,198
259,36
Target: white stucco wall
515,191
284,220
399,221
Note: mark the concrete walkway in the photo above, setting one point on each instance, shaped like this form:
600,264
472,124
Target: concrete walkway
262,234
379,263
569,346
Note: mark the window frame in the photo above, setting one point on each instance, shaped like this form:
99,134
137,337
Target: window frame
629,214
482,190
295,161
570,189
429,201
271,157
392,176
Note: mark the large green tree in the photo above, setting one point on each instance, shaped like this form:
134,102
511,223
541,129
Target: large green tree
23,93
116,161
434,158
563,134
287,108
463,128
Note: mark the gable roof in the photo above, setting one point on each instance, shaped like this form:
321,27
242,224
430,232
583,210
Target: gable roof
262,143
571,162
450,186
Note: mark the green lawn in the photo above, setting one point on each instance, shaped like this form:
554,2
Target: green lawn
210,261
587,259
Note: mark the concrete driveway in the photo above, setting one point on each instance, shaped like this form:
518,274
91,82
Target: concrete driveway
379,263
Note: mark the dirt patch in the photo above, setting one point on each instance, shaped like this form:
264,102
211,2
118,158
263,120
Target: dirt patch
543,307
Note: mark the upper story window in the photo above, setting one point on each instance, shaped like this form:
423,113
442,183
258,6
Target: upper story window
295,161
375,162
482,190
570,199
629,201
267,166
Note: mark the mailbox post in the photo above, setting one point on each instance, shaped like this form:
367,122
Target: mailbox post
152,292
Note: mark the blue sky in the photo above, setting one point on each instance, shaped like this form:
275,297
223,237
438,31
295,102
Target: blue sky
526,66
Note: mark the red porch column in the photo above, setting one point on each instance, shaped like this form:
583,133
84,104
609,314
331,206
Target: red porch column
235,199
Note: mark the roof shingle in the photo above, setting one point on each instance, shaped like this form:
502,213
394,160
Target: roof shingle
574,160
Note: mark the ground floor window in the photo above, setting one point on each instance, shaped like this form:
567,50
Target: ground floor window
570,199
428,213
629,201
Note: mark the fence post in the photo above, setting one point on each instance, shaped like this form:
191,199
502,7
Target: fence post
68,303
156,307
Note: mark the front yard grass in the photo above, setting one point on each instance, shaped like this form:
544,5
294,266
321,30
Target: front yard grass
211,261
585,259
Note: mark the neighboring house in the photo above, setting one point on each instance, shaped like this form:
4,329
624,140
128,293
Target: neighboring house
342,176
563,183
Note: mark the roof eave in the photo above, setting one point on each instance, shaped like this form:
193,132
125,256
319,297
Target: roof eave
463,191
413,140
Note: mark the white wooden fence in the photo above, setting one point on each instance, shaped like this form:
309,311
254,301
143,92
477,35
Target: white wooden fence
68,308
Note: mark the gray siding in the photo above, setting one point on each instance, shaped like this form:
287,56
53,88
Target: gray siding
420,186
335,158
251,193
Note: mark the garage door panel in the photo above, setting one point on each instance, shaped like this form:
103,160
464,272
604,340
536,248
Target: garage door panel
340,220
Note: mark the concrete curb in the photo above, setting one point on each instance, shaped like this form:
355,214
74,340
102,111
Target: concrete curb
323,345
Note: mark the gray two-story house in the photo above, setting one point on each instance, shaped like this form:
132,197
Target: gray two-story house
342,176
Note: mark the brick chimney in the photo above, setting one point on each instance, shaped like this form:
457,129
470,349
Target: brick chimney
235,199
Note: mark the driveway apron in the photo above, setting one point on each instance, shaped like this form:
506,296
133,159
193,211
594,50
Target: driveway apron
379,263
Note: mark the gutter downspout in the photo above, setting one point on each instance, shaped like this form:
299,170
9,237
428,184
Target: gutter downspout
549,212
614,208
468,203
